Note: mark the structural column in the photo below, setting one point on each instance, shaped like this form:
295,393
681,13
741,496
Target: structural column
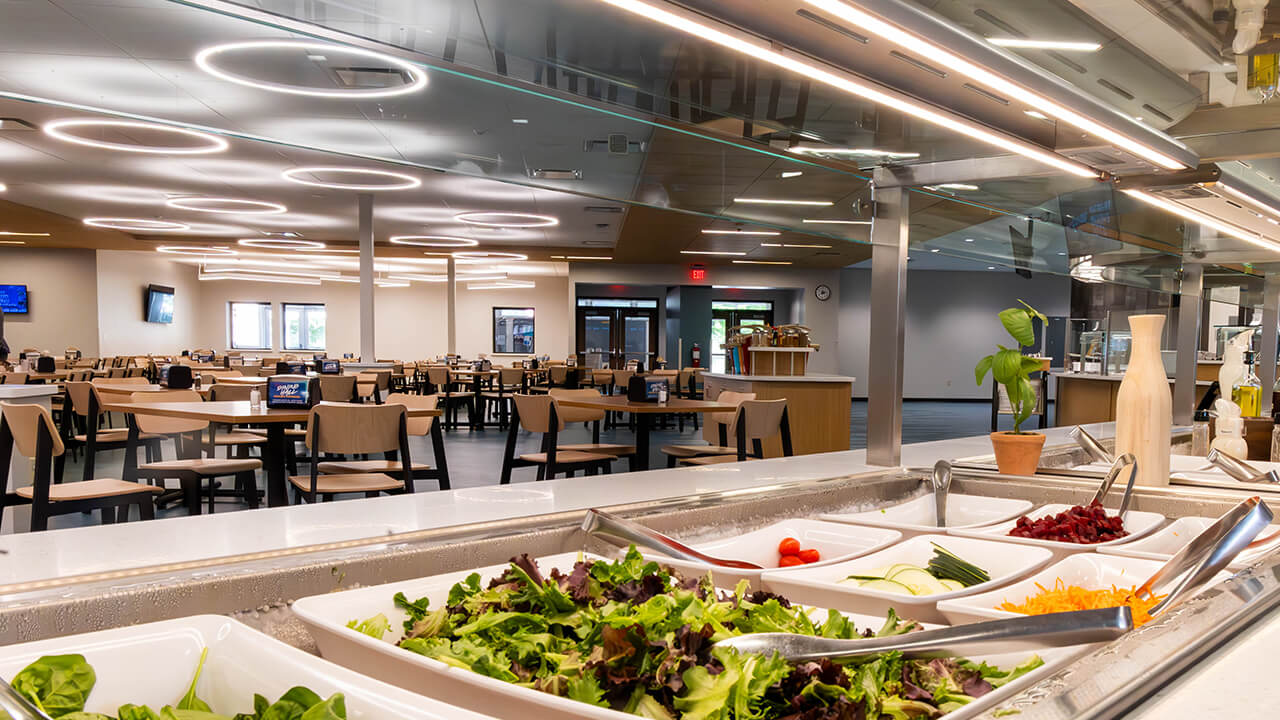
1187,343
366,278
1270,334
889,229
452,305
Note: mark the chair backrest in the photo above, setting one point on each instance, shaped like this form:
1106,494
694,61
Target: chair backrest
24,422
762,418
215,374
338,388
438,376
558,374
166,425
670,374
711,428
510,376
79,375
80,392
350,428
416,425
116,372
230,391
120,381
602,377
535,412
574,414
13,378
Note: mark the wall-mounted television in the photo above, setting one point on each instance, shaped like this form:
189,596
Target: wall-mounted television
159,304
13,299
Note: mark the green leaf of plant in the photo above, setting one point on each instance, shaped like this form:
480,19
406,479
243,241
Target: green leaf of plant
1007,366
1026,402
86,716
1018,322
1030,364
189,701
334,708
1034,311
984,365
136,712
57,684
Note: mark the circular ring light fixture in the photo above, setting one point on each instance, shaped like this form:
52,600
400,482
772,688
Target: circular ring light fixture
136,224
281,243
58,129
194,250
234,206
206,60
482,255
506,219
400,181
444,241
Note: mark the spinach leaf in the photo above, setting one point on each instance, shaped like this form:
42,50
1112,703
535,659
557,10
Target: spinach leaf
292,705
57,684
136,712
335,708
81,715
189,701
171,713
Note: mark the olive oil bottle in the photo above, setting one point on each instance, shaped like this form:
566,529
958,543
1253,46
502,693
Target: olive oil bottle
1247,392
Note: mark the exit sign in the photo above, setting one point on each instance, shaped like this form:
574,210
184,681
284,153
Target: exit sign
698,273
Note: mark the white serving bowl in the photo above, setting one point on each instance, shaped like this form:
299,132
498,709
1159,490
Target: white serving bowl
963,511
835,542
822,586
153,664
1138,523
1168,540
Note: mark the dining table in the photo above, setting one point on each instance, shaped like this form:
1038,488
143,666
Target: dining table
643,412
275,420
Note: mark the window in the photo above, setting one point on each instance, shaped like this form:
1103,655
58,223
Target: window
250,325
513,330
303,327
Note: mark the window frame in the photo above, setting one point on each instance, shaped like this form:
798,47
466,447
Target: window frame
494,330
231,335
284,321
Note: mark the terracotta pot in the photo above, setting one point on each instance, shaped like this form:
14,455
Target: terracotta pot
1017,454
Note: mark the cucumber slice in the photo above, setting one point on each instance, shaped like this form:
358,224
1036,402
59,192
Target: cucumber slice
887,586
899,567
920,582
952,585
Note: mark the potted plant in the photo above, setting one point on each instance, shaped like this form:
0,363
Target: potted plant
1017,452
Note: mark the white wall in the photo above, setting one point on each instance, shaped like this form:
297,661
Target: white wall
122,326
822,318
951,323
63,299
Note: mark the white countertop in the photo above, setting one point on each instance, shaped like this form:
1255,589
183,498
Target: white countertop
781,378
13,392
77,551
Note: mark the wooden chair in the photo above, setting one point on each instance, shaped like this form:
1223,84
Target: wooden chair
447,390
29,429
190,469
373,385
414,427
587,415
13,378
715,431
757,421
508,384
350,429
86,407
537,414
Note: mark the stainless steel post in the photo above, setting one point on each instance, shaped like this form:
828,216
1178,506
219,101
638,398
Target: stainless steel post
366,277
1267,355
889,230
1187,343
452,305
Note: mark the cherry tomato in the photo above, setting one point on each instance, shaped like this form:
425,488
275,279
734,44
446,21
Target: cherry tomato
790,561
809,556
789,546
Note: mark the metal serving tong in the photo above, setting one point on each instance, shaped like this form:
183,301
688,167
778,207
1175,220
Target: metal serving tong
1110,479
1090,444
1211,551
1239,469
17,705
941,488
624,532
1033,632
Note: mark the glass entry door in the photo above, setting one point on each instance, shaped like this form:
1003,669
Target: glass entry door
613,331
726,314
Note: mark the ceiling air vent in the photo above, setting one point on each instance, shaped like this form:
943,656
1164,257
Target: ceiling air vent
553,174
832,26
918,64
632,146
1115,88
1156,111
986,93
369,77
1181,192
609,209
598,243
15,124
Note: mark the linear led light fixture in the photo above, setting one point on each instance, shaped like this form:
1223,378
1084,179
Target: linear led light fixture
579,257
13,242
1198,217
860,152
836,222
259,278
776,201
793,245
847,82
710,252
953,62
322,274
761,262
962,187
1222,189
741,232
13,233
1030,44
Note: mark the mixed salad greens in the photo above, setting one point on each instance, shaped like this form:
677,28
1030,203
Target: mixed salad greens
60,686
634,636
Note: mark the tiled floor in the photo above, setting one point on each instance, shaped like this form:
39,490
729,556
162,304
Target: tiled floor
475,457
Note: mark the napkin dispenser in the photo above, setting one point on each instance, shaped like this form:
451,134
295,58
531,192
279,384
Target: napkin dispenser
644,389
292,392
176,377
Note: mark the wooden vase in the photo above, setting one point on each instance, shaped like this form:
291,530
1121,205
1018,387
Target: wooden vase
1144,406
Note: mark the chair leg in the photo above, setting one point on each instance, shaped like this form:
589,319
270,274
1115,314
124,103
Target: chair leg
122,513
108,515
146,508
671,461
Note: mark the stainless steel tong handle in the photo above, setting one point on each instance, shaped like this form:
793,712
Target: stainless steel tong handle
17,705
941,488
1208,553
1239,469
1110,479
611,527
1090,444
1030,633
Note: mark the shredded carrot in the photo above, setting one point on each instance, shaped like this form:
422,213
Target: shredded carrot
1064,598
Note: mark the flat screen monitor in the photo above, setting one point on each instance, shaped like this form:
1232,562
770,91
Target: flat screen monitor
13,299
159,304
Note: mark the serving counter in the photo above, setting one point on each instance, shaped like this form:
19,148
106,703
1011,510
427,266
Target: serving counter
1088,398
818,405
253,564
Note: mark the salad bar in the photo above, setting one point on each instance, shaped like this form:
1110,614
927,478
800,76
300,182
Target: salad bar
537,617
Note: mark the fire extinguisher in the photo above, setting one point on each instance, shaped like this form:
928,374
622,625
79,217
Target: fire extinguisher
697,355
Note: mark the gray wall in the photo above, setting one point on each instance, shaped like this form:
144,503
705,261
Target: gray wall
951,323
